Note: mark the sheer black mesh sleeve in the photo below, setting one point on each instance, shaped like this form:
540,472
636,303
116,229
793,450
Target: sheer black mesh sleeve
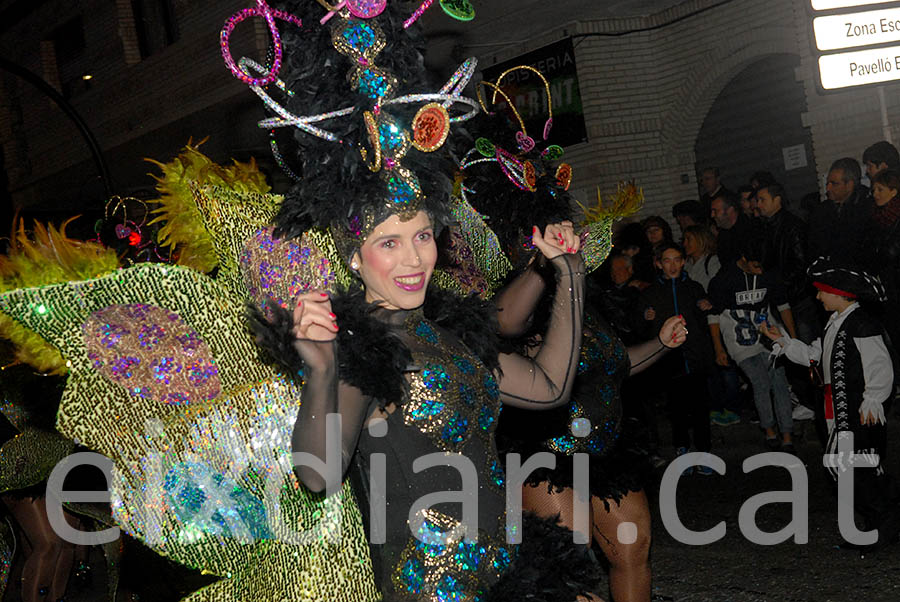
545,381
329,420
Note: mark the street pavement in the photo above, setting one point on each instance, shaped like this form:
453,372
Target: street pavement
734,569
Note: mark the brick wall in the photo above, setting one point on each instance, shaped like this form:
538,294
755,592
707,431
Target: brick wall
646,95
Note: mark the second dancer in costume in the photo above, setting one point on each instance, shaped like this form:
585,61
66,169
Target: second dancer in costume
513,189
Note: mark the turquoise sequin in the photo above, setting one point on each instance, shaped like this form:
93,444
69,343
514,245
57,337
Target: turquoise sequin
360,35
449,589
391,137
435,377
468,555
498,477
456,429
502,559
413,575
491,387
399,192
372,84
486,418
564,444
424,330
188,485
427,409
464,365
467,395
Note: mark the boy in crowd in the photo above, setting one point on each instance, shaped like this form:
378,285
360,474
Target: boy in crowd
859,379
687,367
742,294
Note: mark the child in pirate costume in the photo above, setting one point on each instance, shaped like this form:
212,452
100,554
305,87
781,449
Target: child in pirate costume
858,376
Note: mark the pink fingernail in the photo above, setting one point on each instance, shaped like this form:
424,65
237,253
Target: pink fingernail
324,294
333,317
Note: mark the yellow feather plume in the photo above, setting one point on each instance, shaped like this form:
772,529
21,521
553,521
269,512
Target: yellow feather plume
628,200
183,231
46,256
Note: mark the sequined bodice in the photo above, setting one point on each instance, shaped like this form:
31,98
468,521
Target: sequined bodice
593,414
452,408
589,423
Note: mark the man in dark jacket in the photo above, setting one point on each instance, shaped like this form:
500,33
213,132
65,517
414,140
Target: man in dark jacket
784,252
836,226
731,224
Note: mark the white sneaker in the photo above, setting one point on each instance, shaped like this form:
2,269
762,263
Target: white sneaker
802,412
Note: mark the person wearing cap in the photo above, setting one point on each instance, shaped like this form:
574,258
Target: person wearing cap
858,377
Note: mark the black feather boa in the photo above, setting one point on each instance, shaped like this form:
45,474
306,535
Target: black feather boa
549,566
371,356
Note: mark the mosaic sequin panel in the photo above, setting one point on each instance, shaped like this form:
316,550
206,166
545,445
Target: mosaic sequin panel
283,269
152,353
440,566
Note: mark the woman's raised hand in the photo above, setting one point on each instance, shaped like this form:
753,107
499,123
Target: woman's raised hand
556,239
314,322
673,332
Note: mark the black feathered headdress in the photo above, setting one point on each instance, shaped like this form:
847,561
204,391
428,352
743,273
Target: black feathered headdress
513,181
368,128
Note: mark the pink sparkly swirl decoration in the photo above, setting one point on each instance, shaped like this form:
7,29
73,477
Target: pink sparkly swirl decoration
361,9
266,12
152,353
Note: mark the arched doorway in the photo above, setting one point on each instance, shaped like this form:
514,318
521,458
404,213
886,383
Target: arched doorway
752,121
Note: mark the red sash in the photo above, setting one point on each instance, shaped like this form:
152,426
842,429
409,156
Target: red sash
829,403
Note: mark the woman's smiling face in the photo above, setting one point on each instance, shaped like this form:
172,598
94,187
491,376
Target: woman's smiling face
397,260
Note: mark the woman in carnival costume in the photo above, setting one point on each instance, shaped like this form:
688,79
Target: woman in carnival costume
511,188
412,372
165,379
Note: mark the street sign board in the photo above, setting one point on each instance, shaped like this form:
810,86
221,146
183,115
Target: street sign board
868,28
870,66
834,4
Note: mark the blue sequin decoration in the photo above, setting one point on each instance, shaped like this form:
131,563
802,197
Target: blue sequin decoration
424,330
399,192
486,417
372,84
427,408
360,35
435,377
237,513
413,574
491,387
449,589
564,444
497,475
464,365
468,555
467,395
391,137
456,429
502,559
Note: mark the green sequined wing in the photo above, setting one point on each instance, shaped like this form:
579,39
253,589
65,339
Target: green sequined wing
165,380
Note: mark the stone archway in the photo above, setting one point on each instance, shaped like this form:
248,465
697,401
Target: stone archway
702,84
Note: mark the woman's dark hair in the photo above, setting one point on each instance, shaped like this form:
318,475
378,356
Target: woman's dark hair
888,178
655,220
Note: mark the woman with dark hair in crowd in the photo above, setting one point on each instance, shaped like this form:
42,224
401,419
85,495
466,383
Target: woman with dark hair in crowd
883,257
657,230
